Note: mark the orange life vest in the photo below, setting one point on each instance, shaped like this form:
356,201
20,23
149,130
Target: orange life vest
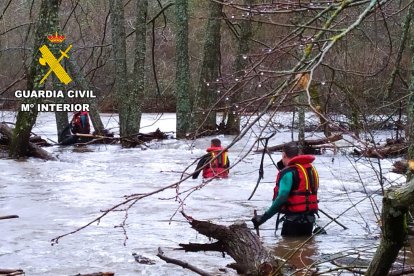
218,167
303,196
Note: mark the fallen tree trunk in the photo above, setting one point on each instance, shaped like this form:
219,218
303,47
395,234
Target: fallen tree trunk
88,139
34,150
405,271
38,152
394,228
309,144
390,150
157,134
133,140
39,141
240,243
11,272
140,138
9,217
97,274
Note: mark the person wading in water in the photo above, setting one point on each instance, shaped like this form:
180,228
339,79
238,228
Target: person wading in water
295,194
217,168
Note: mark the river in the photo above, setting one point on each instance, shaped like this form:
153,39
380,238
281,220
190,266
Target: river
56,197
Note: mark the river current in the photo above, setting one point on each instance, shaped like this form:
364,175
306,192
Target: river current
56,197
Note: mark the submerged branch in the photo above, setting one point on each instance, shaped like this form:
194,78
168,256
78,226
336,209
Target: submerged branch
181,263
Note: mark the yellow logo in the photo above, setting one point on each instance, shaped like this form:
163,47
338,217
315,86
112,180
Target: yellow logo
54,64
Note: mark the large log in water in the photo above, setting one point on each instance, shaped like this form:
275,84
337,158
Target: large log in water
39,141
133,140
9,217
11,272
309,144
392,148
34,150
97,274
384,151
240,243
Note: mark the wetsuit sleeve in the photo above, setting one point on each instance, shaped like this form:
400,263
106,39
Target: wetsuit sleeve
285,186
200,164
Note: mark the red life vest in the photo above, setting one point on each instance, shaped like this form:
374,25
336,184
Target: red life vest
303,196
218,167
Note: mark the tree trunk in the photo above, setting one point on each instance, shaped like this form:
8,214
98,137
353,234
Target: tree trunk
355,124
139,63
240,64
394,229
240,243
321,110
19,146
182,75
300,101
127,123
206,96
62,120
410,105
55,48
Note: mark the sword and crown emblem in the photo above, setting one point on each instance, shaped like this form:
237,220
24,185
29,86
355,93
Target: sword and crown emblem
54,64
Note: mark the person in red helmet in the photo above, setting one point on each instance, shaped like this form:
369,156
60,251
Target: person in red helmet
214,164
295,194
80,123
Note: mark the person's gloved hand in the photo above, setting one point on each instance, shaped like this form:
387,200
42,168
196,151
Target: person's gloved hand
258,220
